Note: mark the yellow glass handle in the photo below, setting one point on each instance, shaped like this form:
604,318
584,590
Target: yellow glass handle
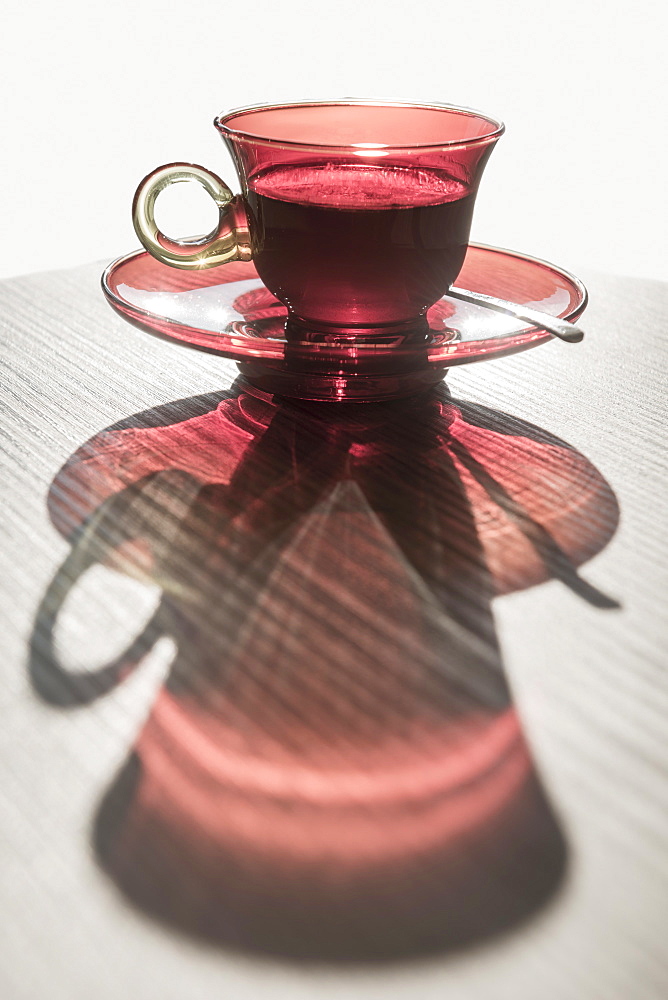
230,240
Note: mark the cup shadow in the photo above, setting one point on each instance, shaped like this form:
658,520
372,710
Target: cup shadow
333,769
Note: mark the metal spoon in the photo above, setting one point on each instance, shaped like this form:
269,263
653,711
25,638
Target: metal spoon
561,328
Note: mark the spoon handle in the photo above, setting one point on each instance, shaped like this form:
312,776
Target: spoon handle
561,328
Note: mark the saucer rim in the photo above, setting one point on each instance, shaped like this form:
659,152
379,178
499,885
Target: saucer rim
144,319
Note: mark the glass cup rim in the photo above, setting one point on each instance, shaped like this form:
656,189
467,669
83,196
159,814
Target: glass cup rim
497,127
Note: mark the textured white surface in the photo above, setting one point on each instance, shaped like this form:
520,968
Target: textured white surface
591,685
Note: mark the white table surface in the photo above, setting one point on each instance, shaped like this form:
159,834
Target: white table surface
590,683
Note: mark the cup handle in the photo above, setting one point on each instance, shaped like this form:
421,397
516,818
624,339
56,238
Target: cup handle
229,241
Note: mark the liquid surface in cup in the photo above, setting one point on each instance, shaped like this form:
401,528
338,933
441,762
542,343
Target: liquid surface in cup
358,245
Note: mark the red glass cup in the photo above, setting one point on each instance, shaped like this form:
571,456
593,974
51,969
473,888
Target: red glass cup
356,215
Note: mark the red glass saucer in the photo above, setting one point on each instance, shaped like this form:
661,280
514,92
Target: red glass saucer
228,311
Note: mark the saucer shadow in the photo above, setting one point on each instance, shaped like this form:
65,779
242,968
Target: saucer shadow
334,769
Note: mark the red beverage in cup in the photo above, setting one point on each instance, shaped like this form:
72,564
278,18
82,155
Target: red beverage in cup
364,243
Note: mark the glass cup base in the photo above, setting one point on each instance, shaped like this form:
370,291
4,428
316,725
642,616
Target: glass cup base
340,388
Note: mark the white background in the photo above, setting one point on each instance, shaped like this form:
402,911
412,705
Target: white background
95,95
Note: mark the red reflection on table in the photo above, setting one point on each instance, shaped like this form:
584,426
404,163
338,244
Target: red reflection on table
334,767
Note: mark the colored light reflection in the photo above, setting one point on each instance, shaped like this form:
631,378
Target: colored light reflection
369,149
334,767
